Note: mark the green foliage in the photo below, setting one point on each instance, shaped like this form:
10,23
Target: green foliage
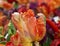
11,30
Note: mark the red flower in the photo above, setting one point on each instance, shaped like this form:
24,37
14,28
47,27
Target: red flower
56,42
22,9
53,25
10,1
7,5
19,45
9,44
15,39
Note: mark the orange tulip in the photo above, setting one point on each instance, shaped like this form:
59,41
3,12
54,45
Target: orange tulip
22,2
2,45
7,5
29,24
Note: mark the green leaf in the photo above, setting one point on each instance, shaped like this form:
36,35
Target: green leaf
45,20
15,5
3,42
11,30
1,28
47,42
1,36
8,38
